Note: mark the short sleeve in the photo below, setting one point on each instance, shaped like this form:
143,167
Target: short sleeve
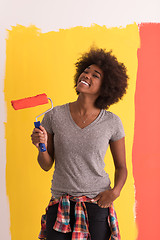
47,122
118,130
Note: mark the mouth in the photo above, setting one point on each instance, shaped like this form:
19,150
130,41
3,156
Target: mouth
84,82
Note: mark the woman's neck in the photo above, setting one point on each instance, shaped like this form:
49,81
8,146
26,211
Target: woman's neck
85,105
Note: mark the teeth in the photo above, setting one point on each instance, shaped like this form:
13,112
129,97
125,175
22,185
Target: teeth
85,83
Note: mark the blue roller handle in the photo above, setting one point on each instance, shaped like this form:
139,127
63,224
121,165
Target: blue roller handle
41,145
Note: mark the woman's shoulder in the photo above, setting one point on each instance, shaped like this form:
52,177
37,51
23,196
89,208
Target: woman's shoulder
112,117
110,114
58,108
58,112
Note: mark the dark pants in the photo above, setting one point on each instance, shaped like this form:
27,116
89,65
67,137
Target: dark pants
98,224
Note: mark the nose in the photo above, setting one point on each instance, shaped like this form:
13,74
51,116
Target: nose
88,75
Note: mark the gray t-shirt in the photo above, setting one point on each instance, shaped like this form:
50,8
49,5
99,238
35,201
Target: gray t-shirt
79,153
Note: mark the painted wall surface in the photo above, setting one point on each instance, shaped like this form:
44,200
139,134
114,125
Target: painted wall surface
44,62
146,153
39,44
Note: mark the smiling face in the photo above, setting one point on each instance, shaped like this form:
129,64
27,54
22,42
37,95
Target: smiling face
90,80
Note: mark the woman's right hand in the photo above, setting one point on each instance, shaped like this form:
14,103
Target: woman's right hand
39,136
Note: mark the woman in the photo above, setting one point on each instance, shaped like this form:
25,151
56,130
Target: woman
77,136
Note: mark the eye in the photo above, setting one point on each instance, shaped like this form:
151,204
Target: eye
96,76
85,71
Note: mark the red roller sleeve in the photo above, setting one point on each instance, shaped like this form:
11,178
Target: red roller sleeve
30,101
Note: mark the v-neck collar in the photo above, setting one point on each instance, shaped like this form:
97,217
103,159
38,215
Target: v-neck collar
88,126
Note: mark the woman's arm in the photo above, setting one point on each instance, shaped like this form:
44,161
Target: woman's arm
45,159
104,199
119,158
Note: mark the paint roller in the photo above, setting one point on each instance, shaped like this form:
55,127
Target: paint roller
33,102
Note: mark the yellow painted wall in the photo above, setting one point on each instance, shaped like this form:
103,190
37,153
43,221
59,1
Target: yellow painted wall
44,63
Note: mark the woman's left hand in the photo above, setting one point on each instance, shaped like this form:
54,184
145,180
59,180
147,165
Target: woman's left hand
104,199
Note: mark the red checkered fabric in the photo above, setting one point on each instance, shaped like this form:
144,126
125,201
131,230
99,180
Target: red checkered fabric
113,223
81,227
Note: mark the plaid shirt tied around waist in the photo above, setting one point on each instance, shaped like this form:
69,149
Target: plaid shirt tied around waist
81,227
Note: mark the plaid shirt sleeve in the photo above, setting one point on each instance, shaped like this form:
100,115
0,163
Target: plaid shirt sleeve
113,223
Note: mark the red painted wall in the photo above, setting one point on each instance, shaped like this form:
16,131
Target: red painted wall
146,148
